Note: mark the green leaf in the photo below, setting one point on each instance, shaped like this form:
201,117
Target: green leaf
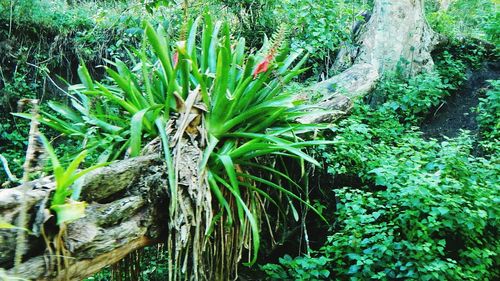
212,50
84,75
220,197
251,219
231,173
172,177
69,212
74,164
65,111
5,225
161,47
136,130
191,41
284,190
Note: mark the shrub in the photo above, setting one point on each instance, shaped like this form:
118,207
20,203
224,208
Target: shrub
452,70
411,99
255,18
13,135
425,210
467,18
320,27
488,118
300,268
359,136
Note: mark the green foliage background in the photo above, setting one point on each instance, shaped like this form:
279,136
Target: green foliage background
424,209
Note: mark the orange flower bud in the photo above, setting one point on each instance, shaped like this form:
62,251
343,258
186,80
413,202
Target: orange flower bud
262,67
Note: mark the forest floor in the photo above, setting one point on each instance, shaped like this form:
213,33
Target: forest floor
457,112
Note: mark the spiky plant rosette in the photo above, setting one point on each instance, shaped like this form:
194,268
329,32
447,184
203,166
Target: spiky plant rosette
216,111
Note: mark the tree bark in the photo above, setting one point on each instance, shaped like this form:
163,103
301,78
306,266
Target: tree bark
128,201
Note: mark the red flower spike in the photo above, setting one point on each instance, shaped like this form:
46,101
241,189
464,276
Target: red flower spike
262,67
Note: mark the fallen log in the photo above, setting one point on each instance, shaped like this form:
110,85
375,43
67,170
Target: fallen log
123,214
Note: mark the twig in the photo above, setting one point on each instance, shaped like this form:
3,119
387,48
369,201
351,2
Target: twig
441,105
48,76
10,17
11,177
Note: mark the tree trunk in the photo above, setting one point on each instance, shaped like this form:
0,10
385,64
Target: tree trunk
397,34
127,200
444,5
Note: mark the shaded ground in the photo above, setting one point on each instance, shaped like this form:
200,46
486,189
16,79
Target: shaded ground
457,112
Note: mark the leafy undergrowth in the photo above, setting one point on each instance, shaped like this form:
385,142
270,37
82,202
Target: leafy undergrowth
465,18
426,210
488,119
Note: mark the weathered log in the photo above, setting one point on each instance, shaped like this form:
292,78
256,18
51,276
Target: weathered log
123,214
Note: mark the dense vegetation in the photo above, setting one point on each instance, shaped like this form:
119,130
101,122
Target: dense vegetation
392,202
421,208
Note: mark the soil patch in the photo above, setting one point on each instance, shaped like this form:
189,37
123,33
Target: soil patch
457,111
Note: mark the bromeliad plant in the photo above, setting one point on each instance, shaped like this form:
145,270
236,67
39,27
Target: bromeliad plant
64,201
202,91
